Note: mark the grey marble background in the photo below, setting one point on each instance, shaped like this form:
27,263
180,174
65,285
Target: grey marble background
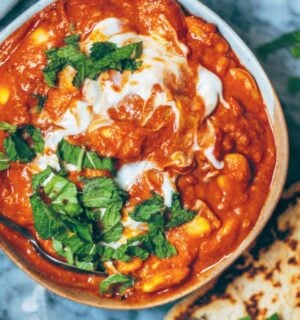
256,21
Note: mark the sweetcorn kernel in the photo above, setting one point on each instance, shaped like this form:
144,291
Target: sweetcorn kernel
39,36
198,227
4,95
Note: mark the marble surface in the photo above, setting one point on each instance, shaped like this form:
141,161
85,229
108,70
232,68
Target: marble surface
256,21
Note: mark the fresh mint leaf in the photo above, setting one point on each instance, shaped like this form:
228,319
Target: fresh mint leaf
101,49
158,244
7,127
89,266
100,192
46,222
274,317
35,135
178,215
116,280
104,56
61,192
93,161
17,149
4,161
71,153
144,211
81,158
111,222
72,40
38,179
41,100
246,318
24,143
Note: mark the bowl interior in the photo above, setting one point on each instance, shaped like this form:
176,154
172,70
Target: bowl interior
281,141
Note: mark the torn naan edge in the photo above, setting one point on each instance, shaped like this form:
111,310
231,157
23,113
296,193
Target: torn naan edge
264,281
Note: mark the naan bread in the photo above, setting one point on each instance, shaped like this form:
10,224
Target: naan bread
266,280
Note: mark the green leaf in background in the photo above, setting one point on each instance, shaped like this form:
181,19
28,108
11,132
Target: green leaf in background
116,280
285,41
294,84
4,161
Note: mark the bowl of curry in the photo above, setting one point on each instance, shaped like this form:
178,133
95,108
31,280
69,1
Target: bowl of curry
139,138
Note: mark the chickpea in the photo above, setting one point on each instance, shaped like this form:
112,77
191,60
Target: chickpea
237,167
128,267
164,279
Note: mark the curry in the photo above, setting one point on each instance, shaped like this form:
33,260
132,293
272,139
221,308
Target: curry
132,142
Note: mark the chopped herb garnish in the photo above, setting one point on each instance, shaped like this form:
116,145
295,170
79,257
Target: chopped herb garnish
104,56
41,100
23,143
272,317
178,215
82,158
116,280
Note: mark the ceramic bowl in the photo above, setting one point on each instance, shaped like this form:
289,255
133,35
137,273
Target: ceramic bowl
277,120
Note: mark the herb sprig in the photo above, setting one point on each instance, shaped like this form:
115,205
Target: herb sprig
104,56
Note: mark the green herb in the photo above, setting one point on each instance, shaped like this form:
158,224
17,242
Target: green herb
17,149
35,135
144,211
41,100
100,192
81,158
153,212
246,318
178,215
273,317
5,126
116,280
61,192
104,56
23,143
111,222
4,161
46,222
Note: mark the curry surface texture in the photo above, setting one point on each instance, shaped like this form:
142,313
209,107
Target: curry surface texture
191,119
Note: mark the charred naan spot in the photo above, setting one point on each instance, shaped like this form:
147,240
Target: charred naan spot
252,304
